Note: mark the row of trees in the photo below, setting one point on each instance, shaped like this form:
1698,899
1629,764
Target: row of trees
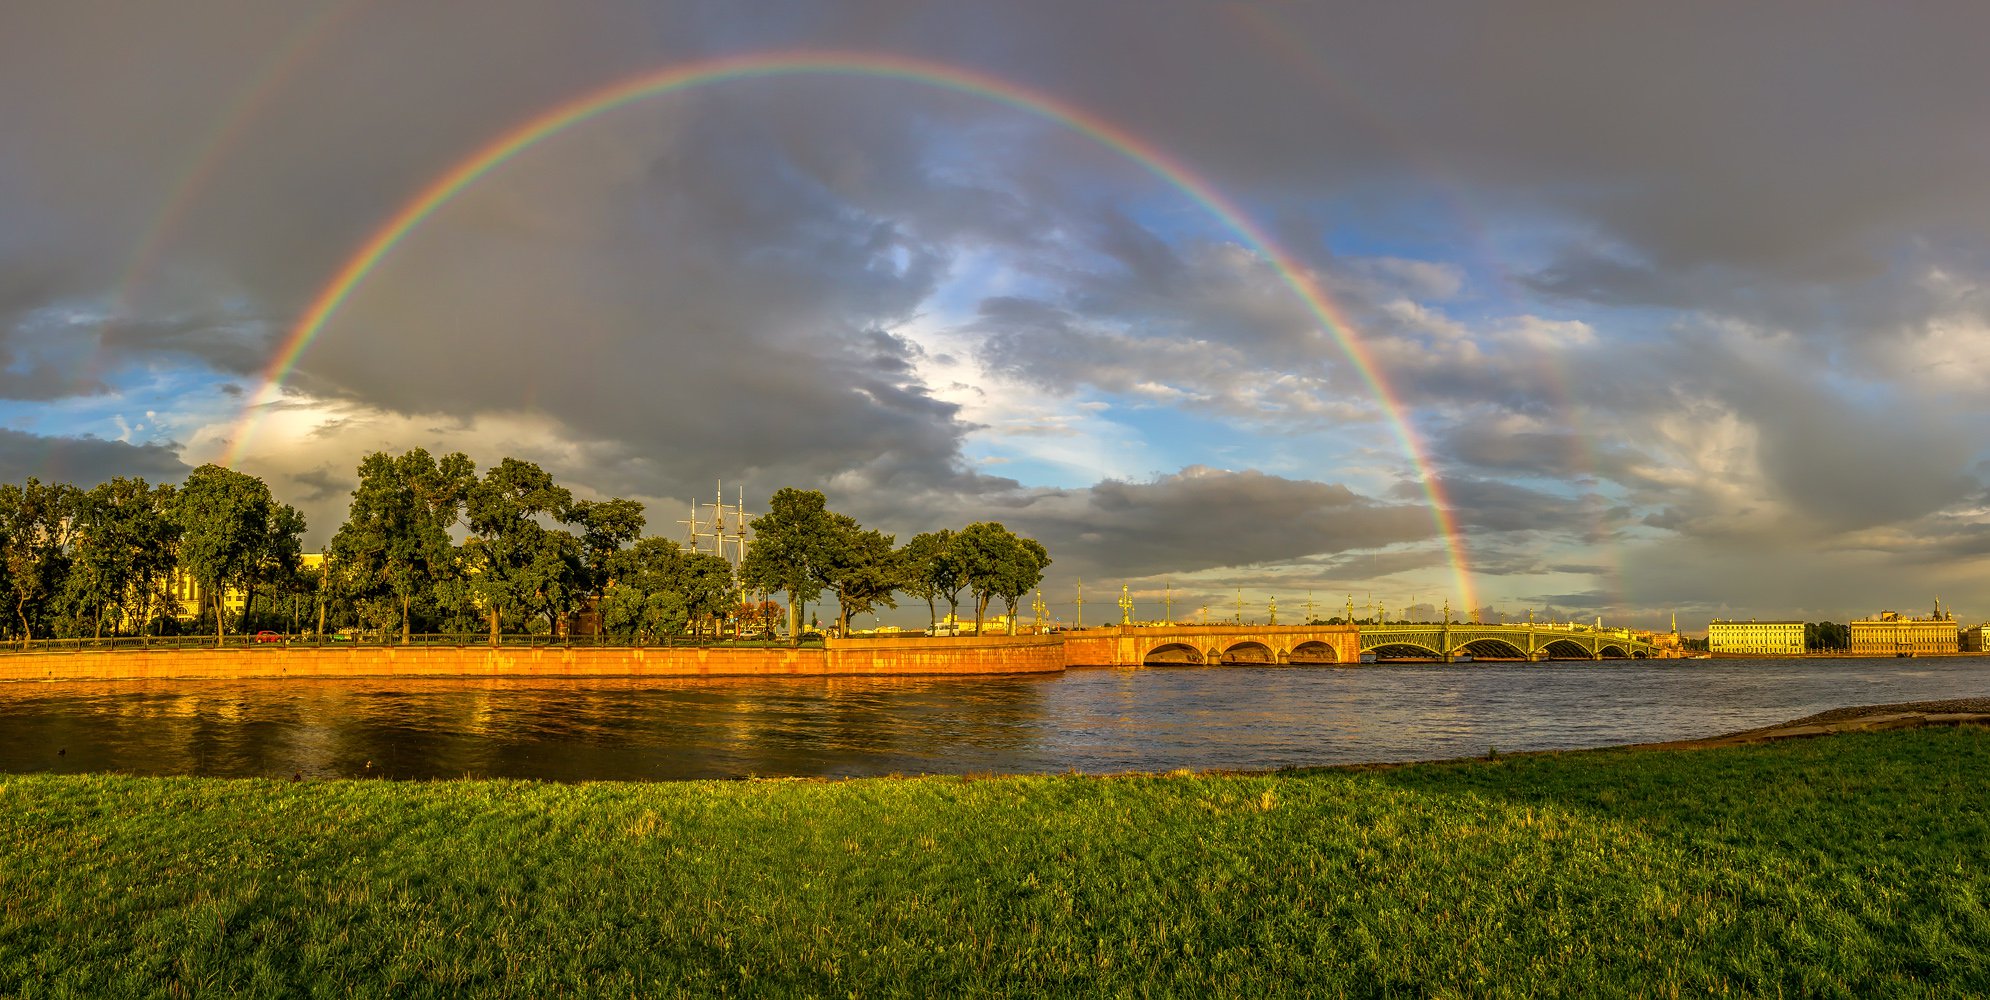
429,545
802,549
77,562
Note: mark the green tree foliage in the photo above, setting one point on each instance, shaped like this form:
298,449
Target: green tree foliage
123,543
36,519
518,563
646,601
1826,635
395,542
660,589
788,553
1022,570
996,562
605,527
861,567
232,532
274,556
930,572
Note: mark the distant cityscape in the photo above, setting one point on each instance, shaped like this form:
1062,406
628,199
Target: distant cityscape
1888,633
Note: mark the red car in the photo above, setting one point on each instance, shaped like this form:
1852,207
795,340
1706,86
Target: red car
268,636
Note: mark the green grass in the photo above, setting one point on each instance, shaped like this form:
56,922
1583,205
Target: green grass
1850,866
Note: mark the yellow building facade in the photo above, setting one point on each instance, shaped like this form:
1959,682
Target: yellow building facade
188,599
1891,633
1756,638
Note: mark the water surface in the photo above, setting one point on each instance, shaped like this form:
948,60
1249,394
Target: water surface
1094,720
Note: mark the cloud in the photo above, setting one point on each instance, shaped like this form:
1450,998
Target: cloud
1202,518
84,461
1729,309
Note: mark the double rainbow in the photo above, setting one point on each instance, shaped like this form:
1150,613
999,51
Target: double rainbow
877,66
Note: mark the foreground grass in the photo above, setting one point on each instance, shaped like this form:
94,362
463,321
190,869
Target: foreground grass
1850,866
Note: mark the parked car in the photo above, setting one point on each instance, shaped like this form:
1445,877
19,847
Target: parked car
268,636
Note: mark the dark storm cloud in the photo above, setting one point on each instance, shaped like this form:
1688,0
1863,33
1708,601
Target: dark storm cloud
1204,518
84,461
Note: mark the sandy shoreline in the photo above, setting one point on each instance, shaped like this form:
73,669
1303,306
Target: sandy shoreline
1855,719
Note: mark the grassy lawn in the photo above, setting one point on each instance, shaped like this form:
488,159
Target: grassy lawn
1856,865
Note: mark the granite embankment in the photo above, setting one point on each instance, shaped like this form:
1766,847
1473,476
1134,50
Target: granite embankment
853,657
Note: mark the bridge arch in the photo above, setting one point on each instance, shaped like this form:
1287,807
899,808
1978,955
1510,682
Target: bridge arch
1488,648
1614,652
1173,654
1566,649
1401,650
1250,653
1314,651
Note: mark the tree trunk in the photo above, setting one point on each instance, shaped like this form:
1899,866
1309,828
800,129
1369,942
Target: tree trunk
495,610
794,620
321,618
27,633
220,637
404,619
932,616
980,605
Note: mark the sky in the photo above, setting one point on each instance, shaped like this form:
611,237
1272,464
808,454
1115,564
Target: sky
1620,310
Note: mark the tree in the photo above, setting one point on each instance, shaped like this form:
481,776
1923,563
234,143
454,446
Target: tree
231,530
644,601
788,550
605,526
123,545
273,555
520,563
660,589
979,551
995,562
708,588
930,573
1022,570
35,524
861,567
395,541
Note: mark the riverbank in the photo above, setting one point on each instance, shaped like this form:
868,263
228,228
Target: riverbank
1857,864
892,657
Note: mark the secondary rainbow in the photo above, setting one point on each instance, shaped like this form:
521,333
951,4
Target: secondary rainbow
855,64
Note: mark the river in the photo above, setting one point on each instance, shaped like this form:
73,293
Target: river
1094,720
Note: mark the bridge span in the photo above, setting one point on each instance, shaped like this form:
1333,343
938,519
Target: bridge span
1529,641
1299,645
1255,645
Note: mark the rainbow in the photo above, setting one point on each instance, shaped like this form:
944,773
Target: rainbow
877,66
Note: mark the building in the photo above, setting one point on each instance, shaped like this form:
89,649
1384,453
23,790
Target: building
1756,638
1972,639
1892,633
188,601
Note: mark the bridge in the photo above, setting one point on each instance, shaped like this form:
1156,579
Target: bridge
1182,645
1532,641
1297,645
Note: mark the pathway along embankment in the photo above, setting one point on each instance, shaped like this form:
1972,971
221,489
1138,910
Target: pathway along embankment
838,658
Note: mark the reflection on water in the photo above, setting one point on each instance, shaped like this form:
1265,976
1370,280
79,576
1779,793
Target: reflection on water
1093,720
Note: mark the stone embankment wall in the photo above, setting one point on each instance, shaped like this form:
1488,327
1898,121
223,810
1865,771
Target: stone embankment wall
852,657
